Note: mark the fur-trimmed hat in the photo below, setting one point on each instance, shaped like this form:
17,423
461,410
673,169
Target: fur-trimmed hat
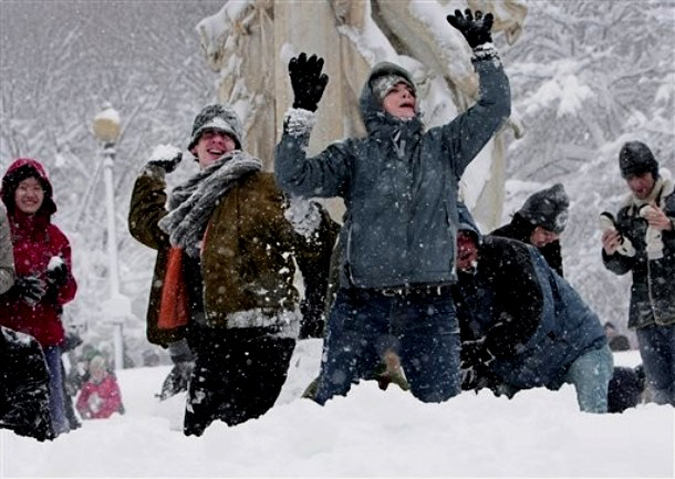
217,117
547,208
384,84
635,158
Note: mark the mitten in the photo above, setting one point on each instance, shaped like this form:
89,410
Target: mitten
474,354
57,272
30,289
166,157
307,81
607,223
475,30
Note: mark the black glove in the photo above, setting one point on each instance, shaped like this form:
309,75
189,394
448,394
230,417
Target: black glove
476,31
166,157
474,354
57,272
307,81
31,289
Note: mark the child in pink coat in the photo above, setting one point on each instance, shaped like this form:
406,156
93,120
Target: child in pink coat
100,396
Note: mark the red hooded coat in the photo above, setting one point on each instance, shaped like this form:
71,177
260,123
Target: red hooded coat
36,240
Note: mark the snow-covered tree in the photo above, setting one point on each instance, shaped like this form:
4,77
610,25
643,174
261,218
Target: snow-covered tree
586,77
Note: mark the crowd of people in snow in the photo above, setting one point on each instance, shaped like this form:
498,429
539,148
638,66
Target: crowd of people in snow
408,288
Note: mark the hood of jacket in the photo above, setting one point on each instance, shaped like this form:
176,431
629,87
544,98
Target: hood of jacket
377,121
19,170
465,222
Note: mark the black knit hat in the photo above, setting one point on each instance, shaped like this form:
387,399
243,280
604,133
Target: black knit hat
217,117
547,208
635,158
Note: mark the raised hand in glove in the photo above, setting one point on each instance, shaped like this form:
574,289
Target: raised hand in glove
307,81
474,354
476,29
30,289
166,157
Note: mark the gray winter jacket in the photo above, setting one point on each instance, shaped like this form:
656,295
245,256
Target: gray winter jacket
6,253
400,196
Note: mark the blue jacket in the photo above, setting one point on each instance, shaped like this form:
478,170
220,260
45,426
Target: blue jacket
400,197
532,320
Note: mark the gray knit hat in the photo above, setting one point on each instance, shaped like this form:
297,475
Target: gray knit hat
384,84
547,208
635,158
217,117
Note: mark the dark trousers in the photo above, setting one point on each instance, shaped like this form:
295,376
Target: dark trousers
421,328
238,376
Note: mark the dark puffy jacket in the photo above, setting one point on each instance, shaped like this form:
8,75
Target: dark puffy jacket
521,229
652,299
533,321
24,395
400,220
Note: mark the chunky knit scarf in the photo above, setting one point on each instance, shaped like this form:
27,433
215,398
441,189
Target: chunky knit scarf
191,203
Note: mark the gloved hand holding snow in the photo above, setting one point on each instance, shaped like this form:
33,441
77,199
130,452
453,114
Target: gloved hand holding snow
166,157
57,271
608,224
653,237
304,215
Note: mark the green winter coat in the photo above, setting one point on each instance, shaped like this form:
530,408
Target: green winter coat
247,258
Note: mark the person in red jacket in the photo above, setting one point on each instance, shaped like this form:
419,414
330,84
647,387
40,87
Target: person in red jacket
44,280
100,396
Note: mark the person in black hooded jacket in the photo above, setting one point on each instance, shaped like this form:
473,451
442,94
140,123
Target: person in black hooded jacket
524,326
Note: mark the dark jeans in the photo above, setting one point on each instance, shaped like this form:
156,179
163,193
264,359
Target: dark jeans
238,376
57,397
421,327
657,349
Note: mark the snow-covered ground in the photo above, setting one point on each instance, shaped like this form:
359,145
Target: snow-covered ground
539,433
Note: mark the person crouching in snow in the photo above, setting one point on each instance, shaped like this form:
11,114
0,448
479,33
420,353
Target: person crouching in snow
399,186
523,325
227,244
100,396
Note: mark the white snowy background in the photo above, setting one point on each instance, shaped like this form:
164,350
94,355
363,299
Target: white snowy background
586,76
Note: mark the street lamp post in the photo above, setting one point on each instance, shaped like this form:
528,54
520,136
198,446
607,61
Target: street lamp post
107,130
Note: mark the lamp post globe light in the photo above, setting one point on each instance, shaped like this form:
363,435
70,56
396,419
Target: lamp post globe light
107,130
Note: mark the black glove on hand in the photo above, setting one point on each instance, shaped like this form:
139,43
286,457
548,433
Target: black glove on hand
57,272
474,354
307,81
166,157
31,289
476,31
